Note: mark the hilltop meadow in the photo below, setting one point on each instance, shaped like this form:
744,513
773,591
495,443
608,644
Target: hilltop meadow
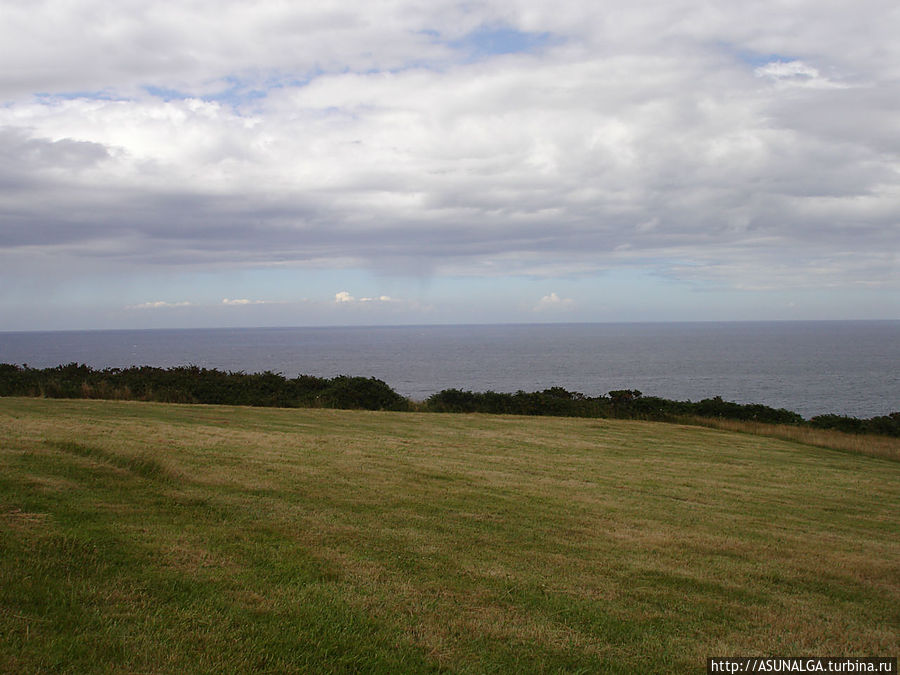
167,538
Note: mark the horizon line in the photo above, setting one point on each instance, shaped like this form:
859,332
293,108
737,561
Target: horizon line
447,325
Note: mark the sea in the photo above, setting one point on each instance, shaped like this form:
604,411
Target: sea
810,367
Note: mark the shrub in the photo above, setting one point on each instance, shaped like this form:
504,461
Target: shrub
193,384
361,393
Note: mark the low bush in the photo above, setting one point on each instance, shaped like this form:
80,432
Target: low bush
192,384
884,425
632,404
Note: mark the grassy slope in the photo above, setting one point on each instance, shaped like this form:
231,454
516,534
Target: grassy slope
160,538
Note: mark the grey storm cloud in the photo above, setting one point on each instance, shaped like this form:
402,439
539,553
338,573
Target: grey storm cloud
734,143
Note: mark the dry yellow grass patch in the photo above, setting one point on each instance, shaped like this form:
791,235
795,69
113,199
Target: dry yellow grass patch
24,520
885,447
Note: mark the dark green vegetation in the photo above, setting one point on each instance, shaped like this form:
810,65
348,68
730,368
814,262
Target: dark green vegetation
624,404
192,384
142,537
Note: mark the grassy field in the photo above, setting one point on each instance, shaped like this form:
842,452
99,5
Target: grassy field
153,538
886,447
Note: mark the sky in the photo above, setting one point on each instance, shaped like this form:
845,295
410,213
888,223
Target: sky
272,163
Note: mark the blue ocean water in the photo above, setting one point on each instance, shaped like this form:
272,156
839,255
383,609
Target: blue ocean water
844,367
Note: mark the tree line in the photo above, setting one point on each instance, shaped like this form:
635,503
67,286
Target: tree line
193,384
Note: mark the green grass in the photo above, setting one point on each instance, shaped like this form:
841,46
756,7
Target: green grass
153,538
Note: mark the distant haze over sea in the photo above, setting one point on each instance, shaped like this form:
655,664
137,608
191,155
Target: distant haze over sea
815,367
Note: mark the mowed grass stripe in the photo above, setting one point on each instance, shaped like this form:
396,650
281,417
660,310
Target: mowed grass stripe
164,538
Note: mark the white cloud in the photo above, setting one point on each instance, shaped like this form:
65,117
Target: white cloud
244,301
430,170
343,296
796,74
553,302
160,304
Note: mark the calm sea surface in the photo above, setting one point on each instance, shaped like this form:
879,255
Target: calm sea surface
845,367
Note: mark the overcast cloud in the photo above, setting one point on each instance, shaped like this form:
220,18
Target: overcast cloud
184,148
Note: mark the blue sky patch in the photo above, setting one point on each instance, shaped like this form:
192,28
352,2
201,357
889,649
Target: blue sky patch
758,59
99,95
167,94
486,41
235,95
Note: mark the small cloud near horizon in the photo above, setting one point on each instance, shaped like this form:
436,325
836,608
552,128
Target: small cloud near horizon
160,304
244,301
344,297
553,301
